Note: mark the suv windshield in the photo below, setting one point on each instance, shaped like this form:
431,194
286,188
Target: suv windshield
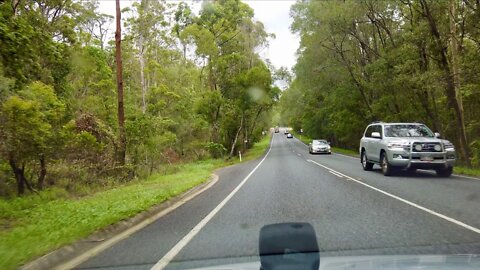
319,142
407,131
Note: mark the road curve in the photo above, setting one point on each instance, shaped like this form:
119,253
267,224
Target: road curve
349,218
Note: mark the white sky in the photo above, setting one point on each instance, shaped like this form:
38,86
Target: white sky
274,14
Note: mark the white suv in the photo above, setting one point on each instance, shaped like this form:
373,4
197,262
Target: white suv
405,146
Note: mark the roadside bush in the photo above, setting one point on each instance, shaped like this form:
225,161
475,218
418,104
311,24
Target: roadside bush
475,146
216,150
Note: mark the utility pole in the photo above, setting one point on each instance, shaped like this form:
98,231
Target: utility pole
121,113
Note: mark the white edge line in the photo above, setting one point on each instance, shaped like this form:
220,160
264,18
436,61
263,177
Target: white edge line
115,239
168,257
466,226
456,175
466,177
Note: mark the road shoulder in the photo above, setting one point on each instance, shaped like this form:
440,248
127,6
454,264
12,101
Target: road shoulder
73,254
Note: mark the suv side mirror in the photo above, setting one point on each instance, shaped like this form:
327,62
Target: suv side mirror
376,135
437,135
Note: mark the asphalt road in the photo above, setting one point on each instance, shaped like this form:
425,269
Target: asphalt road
353,212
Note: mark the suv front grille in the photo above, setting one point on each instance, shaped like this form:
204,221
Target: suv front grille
426,147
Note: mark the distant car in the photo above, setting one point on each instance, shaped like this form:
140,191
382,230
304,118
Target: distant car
277,129
289,136
320,147
286,132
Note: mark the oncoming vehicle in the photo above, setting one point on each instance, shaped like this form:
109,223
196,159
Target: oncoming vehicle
289,136
277,129
405,146
319,146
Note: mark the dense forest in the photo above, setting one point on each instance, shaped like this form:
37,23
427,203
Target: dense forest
405,60
194,87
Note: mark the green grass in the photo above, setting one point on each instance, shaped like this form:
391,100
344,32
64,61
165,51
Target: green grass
466,171
258,149
34,225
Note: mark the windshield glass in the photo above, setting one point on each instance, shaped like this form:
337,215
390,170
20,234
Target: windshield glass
407,131
177,131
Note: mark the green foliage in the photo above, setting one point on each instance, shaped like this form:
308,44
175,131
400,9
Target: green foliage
216,149
30,123
47,224
38,224
363,61
58,106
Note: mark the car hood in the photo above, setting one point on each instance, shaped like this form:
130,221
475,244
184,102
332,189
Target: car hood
387,262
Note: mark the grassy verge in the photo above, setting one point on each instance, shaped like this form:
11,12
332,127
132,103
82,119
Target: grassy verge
34,225
466,171
457,169
347,152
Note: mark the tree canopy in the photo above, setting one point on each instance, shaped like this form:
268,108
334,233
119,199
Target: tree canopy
194,87
364,61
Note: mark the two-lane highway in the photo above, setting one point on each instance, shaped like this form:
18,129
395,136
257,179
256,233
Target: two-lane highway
353,212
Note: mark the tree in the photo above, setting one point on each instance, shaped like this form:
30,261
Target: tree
169,104
31,131
122,145
226,37
361,61
93,27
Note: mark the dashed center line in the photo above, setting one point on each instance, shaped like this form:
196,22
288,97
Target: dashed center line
336,174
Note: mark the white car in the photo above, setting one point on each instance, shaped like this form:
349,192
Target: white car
405,146
320,147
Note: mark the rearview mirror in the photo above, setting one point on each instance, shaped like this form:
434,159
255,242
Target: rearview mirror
376,135
437,135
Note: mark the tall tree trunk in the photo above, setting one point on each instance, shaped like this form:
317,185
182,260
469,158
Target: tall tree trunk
141,46
121,113
450,92
236,137
141,58
255,119
454,57
19,176
215,125
43,173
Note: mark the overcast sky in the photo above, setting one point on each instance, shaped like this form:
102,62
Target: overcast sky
273,14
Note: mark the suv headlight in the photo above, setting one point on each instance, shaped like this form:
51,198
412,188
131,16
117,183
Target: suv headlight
399,145
449,146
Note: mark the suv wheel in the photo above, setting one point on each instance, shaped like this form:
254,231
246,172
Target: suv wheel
387,169
367,166
444,172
